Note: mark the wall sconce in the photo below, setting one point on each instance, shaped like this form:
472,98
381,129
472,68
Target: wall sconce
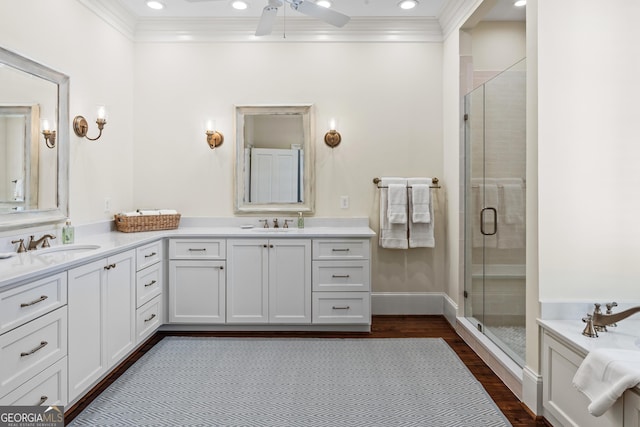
80,125
214,138
49,135
333,137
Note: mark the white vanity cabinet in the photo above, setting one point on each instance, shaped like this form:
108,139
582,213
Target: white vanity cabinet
341,281
33,343
197,281
563,404
102,323
269,281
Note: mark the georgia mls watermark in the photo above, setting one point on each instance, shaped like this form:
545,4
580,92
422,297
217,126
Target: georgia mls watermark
31,416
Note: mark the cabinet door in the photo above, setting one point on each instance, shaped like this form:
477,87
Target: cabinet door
247,279
289,281
196,291
120,306
87,353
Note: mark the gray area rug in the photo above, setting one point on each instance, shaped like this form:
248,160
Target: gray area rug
295,382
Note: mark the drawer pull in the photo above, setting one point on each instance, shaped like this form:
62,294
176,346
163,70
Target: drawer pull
27,304
42,400
110,266
40,347
150,318
197,249
340,276
338,307
153,282
150,255
340,250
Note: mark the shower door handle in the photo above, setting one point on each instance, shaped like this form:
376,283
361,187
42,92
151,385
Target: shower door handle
495,221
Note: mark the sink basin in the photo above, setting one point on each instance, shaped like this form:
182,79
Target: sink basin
66,249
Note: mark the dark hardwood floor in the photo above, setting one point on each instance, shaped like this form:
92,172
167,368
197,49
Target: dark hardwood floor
382,327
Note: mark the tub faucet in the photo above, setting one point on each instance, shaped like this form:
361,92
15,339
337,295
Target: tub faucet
599,322
33,244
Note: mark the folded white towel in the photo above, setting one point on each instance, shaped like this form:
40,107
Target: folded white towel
168,212
131,213
397,203
392,236
149,211
421,234
605,374
420,201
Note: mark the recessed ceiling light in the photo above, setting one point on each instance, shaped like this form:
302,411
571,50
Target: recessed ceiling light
239,5
324,3
155,5
520,3
408,4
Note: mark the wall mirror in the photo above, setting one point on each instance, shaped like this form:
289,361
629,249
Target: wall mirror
274,159
34,178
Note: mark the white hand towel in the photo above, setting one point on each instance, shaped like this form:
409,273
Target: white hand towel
168,212
421,199
421,234
513,203
605,374
397,203
131,213
392,236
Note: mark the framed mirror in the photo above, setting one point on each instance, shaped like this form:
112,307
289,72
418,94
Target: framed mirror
34,184
274,159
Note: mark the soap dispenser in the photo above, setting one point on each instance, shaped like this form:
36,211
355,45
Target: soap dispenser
67,232
300,220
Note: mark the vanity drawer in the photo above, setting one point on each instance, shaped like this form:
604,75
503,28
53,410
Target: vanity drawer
49,387
341,249
341,307
24,303
197,249
148,255
148,318
29,349
341,275
148,284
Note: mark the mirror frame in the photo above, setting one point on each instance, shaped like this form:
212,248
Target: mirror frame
307,112
33,218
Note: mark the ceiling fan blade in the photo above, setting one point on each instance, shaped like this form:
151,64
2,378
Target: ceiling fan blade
267,19
322,13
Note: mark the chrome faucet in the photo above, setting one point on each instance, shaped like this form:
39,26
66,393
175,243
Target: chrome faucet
266,223
21,247
599,322
275,223
33,244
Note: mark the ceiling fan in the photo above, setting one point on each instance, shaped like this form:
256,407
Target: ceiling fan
306,7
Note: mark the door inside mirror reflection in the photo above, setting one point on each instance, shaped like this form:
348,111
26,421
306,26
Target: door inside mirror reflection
274,158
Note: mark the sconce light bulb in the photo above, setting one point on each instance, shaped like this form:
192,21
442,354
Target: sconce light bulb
332,124
45,125
102,112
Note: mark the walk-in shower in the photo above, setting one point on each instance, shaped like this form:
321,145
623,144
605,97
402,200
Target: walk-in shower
495,189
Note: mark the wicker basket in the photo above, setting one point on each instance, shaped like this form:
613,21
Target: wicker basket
132,224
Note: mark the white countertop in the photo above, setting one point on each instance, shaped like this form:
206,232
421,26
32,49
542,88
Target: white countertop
624,336
27,266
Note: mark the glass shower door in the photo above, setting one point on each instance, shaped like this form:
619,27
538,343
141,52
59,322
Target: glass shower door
495,146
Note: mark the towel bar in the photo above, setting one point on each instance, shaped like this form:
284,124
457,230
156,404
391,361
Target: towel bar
434,180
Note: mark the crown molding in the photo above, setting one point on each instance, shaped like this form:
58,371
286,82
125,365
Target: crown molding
298,29
454,12
113,14
417,30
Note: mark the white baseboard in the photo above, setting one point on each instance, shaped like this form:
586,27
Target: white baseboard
409,303
532,390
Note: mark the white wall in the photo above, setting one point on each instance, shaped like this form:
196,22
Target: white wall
386,97
589,179
66,36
